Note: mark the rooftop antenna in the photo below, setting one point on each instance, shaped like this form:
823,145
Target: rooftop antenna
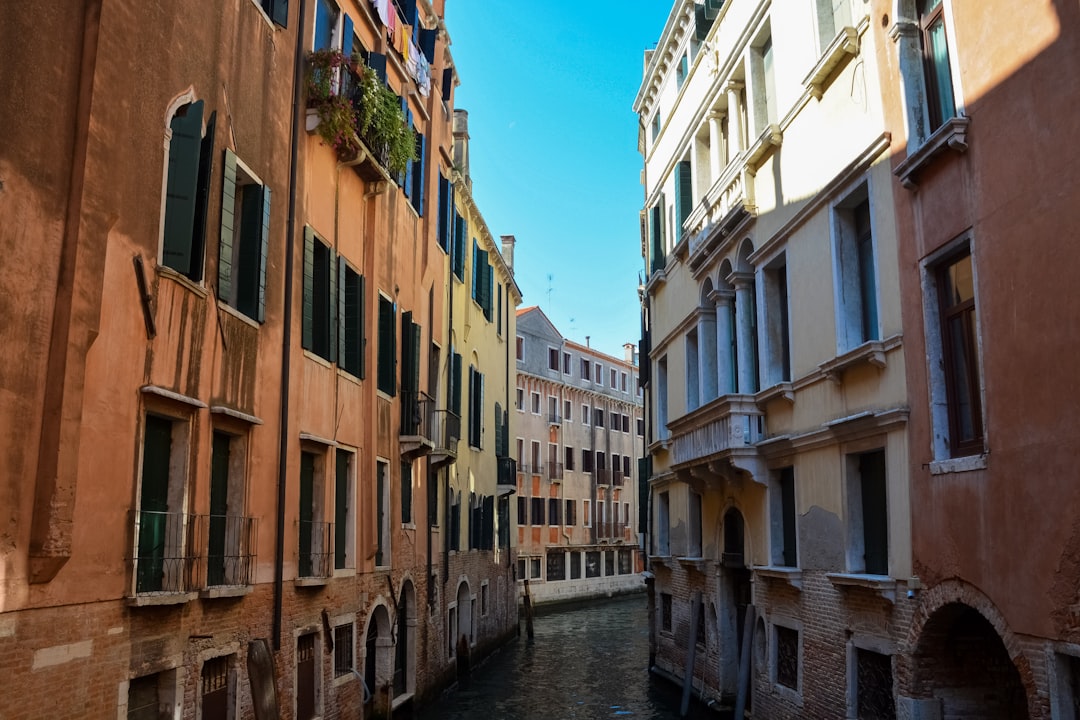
550,289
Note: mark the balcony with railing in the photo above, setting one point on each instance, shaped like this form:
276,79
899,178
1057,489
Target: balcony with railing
719,437
507,475
602,475
447,432
554,471
554,419
531,468
227,561
723,207
617,477
418,435
315,552
611,531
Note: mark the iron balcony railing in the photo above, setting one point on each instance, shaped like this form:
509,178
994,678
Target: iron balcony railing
602,475
227,550
316,549
611,530
617,477
353,89
507,471
554,419
528,469
446,428
165,560
418,415
555,471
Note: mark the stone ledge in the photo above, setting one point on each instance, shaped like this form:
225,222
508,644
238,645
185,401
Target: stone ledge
883,585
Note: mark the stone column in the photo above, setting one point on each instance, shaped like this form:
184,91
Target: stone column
734,113
744,328
725,370
716,148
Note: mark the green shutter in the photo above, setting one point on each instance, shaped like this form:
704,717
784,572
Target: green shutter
309,285
360,307
202,199
225,246
455,399
249,244
490,288
684,196
654,234
406,181
264,253
182,187
418,174
332,306
341,508
407,386
343,312
443,197
414,330
387,347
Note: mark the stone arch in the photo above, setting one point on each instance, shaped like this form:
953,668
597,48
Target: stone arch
961,655
465,612
378,661
405,640
742,259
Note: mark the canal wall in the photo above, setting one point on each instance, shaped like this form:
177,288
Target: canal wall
560,591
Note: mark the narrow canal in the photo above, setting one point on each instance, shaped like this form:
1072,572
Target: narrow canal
587,661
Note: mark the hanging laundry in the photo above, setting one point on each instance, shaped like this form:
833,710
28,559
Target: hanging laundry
423,79
412,61
391,24
403,39
382,9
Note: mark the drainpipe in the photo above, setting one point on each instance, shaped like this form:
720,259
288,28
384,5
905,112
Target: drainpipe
286,339
449,397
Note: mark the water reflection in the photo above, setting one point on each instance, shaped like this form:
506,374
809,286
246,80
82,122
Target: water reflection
587,661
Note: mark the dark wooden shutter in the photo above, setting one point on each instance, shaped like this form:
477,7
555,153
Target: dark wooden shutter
202,199
418,174
387,347
447,83
427,43
406,180
443,198
341,508
488,536
249,258
307,513
264,253
377,62
343,315
658,260
455,397
407,356
347,35
228,222
182,187
332,305
309,289
362,339
490,288
684,196
875,516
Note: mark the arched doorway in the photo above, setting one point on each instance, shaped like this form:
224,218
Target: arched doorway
734,594
465,613
961,663
378,664
405,642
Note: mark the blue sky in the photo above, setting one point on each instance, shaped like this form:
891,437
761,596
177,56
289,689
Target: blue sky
549,87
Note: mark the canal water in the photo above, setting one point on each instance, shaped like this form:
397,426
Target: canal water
587,661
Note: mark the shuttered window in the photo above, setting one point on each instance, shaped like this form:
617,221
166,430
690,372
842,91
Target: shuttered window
457,256
476,404
278,10
446,213
387,347
656,241
684,197
350,319
320,328
455,387
186,191
244,240
417,175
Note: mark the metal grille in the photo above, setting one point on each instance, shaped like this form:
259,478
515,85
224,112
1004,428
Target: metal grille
624,562
215,689
875,686
343,650
164,561
143,698
556,570
787,657
229,553
316,549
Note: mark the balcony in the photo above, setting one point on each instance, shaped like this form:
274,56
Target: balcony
718,439
315,556
611,531
617,477
165,564
447,432
555,472
602,475
554,419
534,469
507,475
227,561
719,212
417,435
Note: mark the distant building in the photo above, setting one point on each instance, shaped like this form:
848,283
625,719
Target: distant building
579,431
777,398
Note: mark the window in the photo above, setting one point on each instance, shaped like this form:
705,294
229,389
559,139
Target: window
186,190
553,511
307,704
568,408
856,276
406,493
656,236
534,568
585,369
217,688
343,649
161,553
656,123
586,413
454,531
148,694
575,564
663,525
680,71
777,326
694,539
278,10
535,398
415,175
245,236
641,427
868,519
457,256
315,540
520,348
476,404
535,458
661,398
553,409
351,310
499,295
566,363
344,502
665,612
537,512
598,417
382,513
553,359
556,567
519,403
586,461
446,208
598,373
483,280
614,375
326,21
941,104
230,536
786,656
523,511
320,285
387,363
958,343
782,503
586,509
622,381
832,17
571,513
626,424
626,470
592,564
569,458
693,396
763,86
873,685
684,198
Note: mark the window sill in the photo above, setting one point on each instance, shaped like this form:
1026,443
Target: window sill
345,678
953,134
697,563
226,591
401,700
958,465
344,572
844,46
656,279
159,599
791,575
235,414
311,582
769,139
167,272
318,359
780,390
883,585
230,310
871,353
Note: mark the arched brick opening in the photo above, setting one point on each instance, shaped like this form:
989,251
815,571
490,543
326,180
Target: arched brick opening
960,664
378,664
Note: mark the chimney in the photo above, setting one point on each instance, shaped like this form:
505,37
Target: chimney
587,341
508,242
461,145
629,350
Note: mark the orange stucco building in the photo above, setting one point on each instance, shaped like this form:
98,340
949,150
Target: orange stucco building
224,372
